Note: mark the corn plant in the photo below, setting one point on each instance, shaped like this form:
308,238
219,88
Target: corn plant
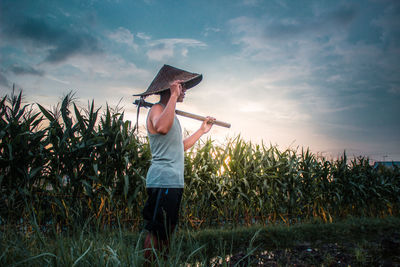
21,156
69,166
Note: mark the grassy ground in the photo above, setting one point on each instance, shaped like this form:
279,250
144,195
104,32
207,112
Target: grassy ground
357,241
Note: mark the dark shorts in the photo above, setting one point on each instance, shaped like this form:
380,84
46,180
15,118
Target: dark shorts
161,211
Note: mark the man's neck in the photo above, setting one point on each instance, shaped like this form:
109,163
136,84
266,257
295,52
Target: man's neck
164,98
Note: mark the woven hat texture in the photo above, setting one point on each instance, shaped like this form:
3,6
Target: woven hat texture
168,74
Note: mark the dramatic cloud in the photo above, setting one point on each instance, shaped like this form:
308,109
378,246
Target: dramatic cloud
59,42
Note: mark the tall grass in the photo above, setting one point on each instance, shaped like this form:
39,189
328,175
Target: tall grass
67,166
244,246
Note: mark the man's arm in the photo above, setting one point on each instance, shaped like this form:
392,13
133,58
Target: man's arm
204,128
163,118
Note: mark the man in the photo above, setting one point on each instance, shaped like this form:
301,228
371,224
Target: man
165,181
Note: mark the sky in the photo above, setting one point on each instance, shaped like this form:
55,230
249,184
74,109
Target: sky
323,75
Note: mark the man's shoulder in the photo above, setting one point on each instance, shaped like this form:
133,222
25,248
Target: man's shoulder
157,108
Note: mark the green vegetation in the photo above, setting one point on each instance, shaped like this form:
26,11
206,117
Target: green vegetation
71,169
354,242
67,166
72,185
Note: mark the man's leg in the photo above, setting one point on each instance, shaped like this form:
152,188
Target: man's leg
171,211
150,245
162,214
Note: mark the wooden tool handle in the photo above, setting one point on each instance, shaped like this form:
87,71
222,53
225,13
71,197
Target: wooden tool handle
183,113
201,118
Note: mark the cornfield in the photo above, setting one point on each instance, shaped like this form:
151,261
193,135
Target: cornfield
66,166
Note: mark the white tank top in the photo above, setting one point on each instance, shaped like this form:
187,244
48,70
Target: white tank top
167,164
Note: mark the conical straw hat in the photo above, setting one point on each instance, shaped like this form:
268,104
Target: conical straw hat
168,74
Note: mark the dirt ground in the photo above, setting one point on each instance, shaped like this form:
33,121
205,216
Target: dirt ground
383,251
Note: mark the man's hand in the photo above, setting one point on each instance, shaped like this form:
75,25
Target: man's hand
207,124
204,128
176,88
